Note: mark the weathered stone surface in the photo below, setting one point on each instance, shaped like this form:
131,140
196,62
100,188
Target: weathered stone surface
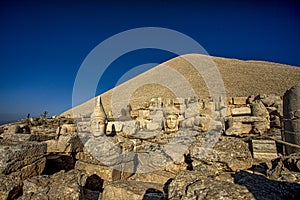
192,110
67,128
239,100
62,185
228,154
241,111
66,143
161,177
264,188
14,156
29,137
152,126
291,112
239,129
117,127
264,149
259,110
130,127
133,190
286,168
10,186
106,173
195,185
202,123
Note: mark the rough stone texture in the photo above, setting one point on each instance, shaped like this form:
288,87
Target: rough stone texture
14,156
241,111
161,177
130,127
196,185
239,100
291,111
259,110
62,185
106,173
264,188
286,168
264,149
10,186
66,143
29,137
133,190
228,154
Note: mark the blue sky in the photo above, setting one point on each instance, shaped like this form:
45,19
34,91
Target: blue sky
43,43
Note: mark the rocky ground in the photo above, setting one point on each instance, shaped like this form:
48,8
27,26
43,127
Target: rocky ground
38,163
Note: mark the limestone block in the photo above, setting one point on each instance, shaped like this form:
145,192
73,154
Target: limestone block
68,128
154,177
130,127
106,173
118,126
133,190
239,100
13,156
29,137
66,143
151,126
264,149
228,154
241,111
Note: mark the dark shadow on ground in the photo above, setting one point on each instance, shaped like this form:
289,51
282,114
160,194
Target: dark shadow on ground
263,188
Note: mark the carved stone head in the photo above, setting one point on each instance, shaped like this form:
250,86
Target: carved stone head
171,120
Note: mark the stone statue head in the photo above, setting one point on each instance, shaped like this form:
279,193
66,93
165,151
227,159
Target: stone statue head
171,121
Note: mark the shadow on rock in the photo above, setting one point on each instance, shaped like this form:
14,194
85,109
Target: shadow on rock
263,188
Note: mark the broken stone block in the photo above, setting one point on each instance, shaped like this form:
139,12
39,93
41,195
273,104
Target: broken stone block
228,154
264,149
133,190
15,156
106,173
66,143
239,100
130,127
28,137
241,111
195,185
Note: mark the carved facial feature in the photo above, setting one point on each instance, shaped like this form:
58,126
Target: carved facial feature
172,121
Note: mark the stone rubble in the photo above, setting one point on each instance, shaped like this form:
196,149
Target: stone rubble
167,149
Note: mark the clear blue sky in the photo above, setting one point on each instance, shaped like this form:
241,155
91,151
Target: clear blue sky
43,43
